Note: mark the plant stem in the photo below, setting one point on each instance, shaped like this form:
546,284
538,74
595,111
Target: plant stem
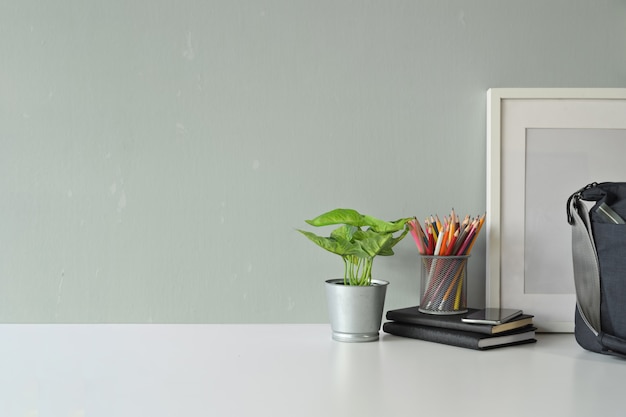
358,270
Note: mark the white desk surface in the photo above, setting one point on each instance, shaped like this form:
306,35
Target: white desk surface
291,370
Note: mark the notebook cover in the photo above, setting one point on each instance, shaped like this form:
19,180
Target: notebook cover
459,338
453,321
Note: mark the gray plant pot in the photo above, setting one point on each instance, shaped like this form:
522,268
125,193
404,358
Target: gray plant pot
355,312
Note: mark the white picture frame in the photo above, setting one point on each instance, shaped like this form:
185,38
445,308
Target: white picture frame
543,144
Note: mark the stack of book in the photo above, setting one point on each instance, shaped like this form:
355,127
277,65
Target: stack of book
452,330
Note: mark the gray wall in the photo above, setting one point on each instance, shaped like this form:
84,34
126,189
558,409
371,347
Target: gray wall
156,156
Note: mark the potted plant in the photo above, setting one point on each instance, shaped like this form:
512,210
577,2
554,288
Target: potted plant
356,301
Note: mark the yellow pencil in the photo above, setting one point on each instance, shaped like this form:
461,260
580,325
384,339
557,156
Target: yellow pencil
451,286
457,299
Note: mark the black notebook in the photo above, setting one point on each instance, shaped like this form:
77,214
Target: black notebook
460,338
453,321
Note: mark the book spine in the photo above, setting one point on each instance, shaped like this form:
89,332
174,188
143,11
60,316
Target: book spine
432,334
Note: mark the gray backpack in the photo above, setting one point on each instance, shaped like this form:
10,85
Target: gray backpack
599,259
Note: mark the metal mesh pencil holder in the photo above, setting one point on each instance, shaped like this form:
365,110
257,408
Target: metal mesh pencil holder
443,284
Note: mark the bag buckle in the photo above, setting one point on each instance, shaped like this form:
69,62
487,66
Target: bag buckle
576,197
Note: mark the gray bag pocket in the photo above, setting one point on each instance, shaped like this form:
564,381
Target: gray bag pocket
606,230
610,242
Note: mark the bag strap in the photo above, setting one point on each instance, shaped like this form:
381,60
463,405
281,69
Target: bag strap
585,261
587,273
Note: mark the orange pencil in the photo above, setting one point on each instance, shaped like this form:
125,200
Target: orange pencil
444,239
452,225
480,225
438,244
452,285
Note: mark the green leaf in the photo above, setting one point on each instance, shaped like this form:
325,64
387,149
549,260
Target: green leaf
372,242
341,247
338,216
345,232
384,226
387,249
354,218
358,247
